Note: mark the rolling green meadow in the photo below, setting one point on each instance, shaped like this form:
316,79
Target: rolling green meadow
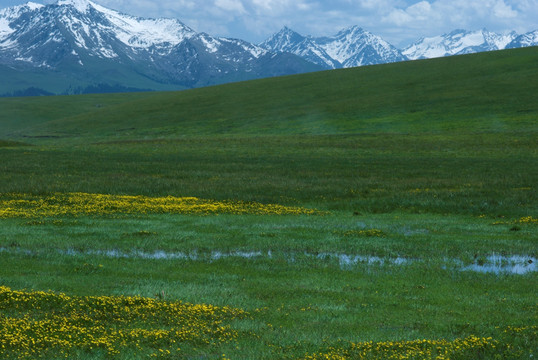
381,212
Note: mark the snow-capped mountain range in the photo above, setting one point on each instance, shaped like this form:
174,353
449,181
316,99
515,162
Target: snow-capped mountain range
525,40
356,47
96,45
81,43
350,47
458,42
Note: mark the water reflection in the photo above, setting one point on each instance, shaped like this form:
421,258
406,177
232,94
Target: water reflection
496,264
349,260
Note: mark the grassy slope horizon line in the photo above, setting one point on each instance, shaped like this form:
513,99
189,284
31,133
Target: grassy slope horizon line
478,93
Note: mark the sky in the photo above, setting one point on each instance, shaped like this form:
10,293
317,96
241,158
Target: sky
400,22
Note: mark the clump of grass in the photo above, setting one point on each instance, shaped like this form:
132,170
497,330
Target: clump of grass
142,233
4,143
363,233
88,268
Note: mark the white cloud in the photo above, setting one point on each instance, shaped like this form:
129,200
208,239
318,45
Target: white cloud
235,6
420,10
270,5
502,10
270,8
369,4
304,6
419,13
398,17
377,6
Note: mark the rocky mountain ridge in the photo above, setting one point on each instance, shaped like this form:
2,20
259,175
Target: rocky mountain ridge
87,40
350,47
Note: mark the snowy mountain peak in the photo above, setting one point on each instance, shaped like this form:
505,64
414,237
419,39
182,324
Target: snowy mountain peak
289,33
132,31
456,33
286,29
7,15
355,46
458,42
86,40
34,6
101,32
15,11
81,5
286,32
528,39
101,23
289,41
144,33
354,29
284,39
352,46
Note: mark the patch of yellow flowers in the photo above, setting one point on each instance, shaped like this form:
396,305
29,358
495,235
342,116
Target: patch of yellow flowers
527,220
403,350
79,204
35,323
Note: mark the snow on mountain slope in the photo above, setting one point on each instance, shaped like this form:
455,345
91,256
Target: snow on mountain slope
5,29
7,15
500,41
457,42
91,26
94,29
15,11
287,40
350,47
234,50
528,39
80,5
356,47
93,42
144,33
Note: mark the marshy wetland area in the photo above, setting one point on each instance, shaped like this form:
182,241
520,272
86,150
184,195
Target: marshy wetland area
384,212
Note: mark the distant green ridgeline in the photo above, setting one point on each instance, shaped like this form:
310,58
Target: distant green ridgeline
483,92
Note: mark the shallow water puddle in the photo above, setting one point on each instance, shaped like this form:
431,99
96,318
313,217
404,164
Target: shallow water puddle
496,264
349,260
163,255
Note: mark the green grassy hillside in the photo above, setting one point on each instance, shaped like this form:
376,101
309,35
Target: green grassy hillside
385,212
475,93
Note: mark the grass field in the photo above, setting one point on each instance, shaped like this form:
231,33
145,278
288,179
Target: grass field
384,212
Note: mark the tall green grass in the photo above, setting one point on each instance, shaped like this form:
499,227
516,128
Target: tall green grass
491,174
